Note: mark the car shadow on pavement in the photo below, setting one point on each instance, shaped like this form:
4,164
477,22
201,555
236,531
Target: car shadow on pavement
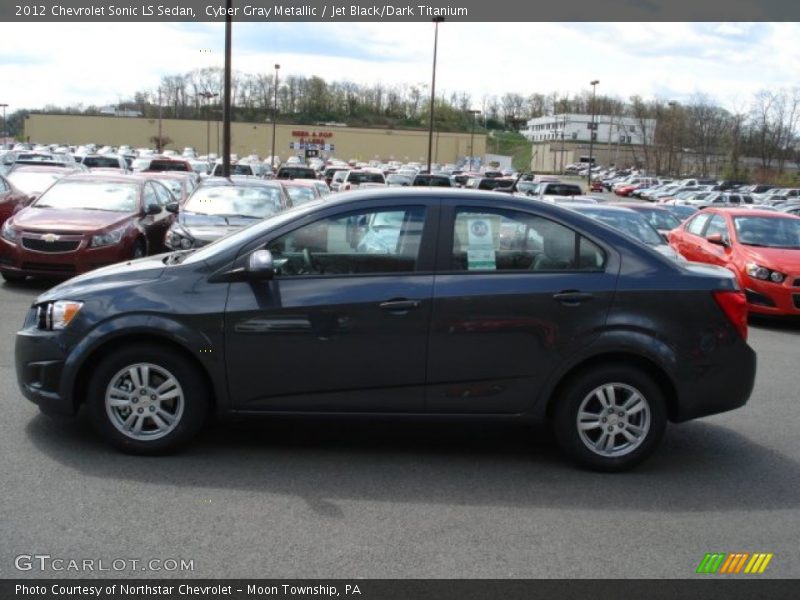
24,288
699,467
783,324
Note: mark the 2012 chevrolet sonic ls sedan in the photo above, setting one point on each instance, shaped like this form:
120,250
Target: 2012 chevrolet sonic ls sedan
416,301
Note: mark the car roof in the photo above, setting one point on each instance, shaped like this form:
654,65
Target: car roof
309,183
106,177
745,212
254,182
601,207
638,205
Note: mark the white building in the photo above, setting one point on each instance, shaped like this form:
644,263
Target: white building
577,128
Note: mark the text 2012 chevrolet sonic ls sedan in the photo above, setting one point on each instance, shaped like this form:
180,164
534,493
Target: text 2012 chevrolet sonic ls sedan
424,301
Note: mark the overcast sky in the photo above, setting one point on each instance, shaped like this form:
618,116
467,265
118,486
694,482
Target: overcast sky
61,64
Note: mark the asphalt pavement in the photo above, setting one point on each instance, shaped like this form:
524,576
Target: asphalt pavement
288,498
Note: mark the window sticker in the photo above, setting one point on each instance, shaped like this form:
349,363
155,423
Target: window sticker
480,246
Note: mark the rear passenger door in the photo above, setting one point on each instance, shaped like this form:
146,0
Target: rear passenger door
515,295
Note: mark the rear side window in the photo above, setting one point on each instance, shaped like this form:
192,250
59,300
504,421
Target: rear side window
696,225
491,240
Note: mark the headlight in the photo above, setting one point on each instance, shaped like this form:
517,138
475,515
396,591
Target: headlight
9,233
108,239
758,272
55,316
179,239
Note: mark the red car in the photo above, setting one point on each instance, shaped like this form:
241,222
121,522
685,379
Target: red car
12,199
762,248
84,222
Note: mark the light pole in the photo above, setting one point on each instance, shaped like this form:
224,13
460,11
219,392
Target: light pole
672,105
226,96
5,128
436,21
274,118
474,114
208,95
591,134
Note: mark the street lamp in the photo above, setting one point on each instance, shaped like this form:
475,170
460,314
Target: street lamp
474,114
436,21
672,105
274,119
591,133
208,95
5,129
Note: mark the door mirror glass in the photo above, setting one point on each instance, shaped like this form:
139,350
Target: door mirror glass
172,207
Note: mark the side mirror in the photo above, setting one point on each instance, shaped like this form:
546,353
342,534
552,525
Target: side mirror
260,265
172,207
152,209
716,238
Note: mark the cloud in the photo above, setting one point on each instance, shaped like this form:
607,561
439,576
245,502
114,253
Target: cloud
105,63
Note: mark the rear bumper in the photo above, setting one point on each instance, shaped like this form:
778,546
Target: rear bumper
708,389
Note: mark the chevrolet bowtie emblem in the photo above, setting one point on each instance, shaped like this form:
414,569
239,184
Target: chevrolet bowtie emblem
50,237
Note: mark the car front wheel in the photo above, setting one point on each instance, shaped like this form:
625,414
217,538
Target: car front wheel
610,418
147,399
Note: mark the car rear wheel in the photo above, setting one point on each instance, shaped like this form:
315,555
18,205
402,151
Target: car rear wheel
146,399
13,277
610,418
139,250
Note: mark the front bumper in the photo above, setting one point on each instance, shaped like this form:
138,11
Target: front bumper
39,358
17,260
767,298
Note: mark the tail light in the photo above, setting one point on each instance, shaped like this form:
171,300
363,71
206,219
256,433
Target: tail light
734,304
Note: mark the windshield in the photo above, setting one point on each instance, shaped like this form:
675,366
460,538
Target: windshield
244,235
562,190
173,185
661,219
254,202
91,195
300,195
630,223
33,183
769,232
365,177
101,162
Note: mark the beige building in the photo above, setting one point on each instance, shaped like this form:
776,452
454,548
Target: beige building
253,138
552,157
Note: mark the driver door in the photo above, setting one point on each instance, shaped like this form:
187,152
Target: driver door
343,325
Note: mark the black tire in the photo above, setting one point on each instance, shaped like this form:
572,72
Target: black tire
195,404
581,388
13,277
139,250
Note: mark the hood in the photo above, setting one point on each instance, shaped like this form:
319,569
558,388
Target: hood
46,220
128,273
207,228
779,259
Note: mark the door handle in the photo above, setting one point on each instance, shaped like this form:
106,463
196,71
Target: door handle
572,298
399,305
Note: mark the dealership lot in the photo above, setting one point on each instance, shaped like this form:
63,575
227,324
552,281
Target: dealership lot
345,498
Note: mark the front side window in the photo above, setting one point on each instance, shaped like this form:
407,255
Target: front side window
717,225
514,241
373,242
696,225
